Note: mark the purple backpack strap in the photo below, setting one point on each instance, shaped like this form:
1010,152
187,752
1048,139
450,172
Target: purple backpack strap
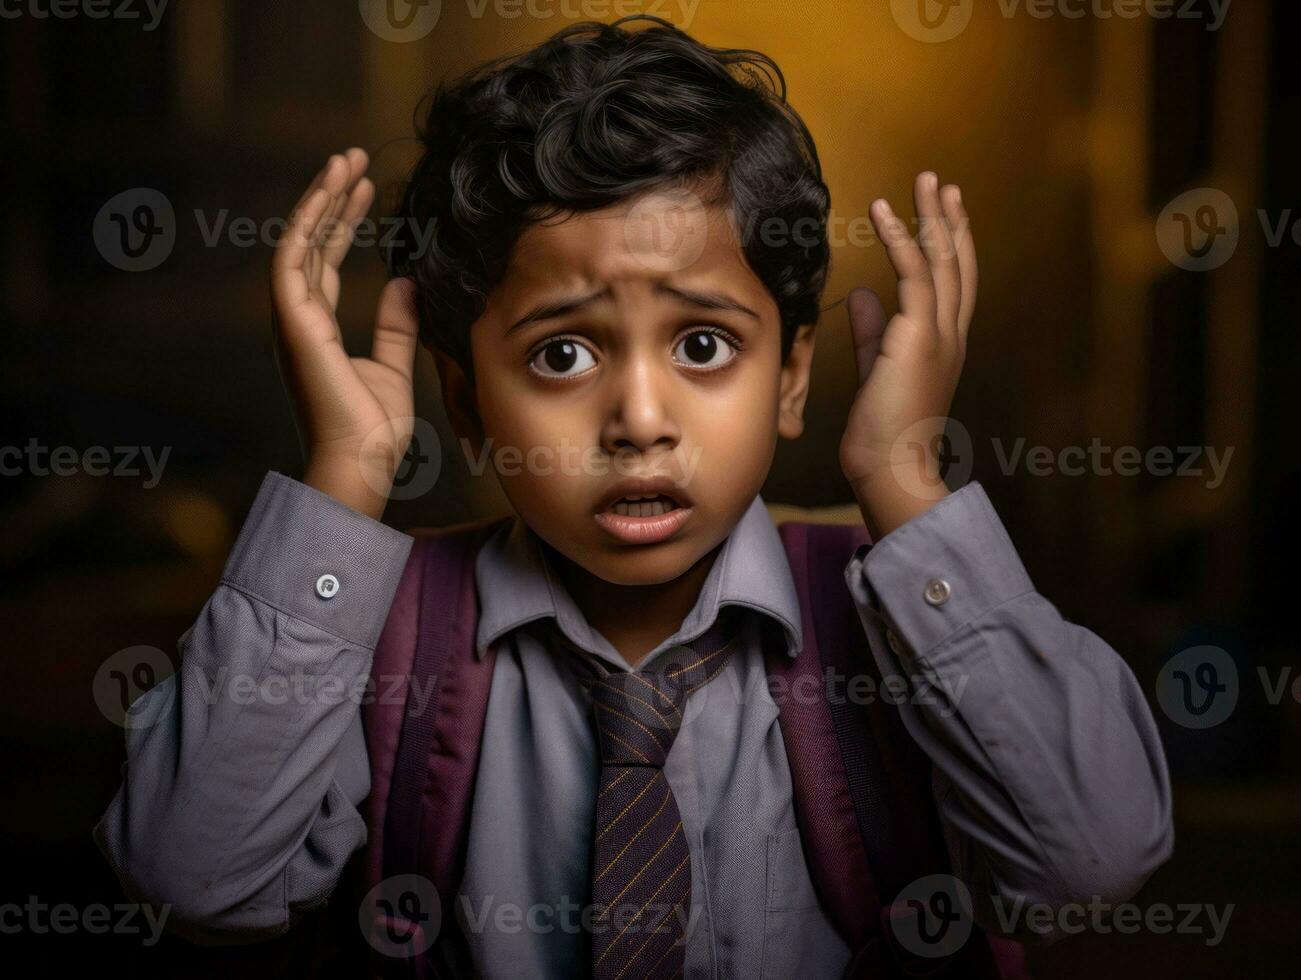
877,780
820,785
424,721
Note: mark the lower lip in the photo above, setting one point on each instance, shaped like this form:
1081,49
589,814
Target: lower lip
644,530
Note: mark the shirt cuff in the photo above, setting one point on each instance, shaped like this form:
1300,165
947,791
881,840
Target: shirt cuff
318,560
943,569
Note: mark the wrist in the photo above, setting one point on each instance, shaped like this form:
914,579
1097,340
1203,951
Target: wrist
892,498
347,481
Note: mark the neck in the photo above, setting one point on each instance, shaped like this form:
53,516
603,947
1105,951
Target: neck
635,619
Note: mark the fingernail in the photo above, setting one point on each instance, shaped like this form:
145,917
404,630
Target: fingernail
932,179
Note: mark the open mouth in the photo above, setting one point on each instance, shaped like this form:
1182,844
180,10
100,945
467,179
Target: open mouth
650,513
644,505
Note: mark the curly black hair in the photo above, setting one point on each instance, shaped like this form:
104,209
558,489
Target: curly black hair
594,115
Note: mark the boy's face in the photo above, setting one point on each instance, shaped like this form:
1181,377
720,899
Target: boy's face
631,342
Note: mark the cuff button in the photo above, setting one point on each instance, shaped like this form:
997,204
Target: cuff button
937,592
327,586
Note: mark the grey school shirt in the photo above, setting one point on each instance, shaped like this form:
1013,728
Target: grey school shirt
246,768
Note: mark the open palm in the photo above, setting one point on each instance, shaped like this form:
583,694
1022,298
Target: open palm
354,414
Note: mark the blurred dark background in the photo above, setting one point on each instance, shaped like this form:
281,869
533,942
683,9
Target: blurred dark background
1083,145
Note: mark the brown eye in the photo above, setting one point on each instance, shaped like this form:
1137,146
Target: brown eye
704,348
562,358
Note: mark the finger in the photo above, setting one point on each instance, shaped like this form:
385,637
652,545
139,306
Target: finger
334,228
317,181
396,327
358,205
338,178
960,227
916,287
290,280
867,322
937,244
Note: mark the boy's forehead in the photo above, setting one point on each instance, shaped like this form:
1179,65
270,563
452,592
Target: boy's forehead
660,236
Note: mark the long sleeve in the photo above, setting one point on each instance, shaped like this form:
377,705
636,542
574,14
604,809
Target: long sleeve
1049,773
245,769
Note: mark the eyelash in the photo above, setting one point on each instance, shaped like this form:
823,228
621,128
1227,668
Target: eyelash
727,336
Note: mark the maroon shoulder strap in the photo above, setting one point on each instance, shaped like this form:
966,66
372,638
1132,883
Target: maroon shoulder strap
424,719
886,776
824,807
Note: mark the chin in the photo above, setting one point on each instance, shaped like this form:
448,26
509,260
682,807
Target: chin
642,565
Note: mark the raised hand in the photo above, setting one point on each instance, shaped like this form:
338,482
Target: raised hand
908,367
354,414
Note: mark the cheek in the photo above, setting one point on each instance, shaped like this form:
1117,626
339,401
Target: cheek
537,446
736,423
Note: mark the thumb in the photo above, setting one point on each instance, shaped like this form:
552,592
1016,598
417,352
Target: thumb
867,324
396,327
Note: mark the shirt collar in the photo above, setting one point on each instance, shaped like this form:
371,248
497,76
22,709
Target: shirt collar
516,586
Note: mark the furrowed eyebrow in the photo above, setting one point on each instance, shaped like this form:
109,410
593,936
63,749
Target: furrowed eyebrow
710,301
560,307
570,304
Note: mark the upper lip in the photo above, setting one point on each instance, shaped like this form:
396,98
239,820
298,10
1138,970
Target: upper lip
643,485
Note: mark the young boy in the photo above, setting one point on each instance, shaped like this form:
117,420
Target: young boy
642,389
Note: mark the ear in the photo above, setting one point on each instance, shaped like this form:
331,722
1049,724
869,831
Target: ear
795,384
459,400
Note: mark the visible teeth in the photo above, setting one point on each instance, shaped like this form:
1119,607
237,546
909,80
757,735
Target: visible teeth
652,507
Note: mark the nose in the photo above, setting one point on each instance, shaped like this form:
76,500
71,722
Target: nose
641,417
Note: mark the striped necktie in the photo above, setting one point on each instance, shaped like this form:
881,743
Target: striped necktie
641,866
